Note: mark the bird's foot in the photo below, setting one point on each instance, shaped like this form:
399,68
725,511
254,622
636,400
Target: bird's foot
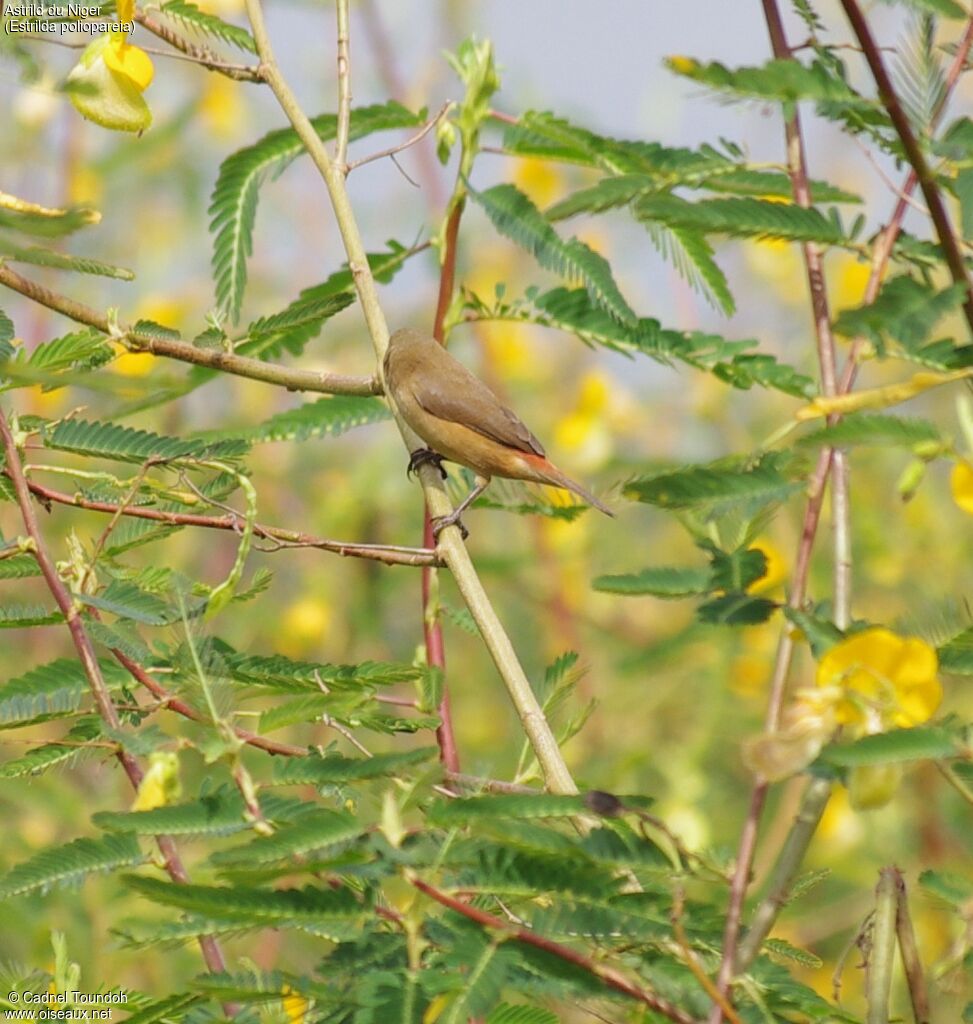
422,457
441,522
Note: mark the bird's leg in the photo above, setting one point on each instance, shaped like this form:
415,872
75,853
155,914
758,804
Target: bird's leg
441,522
422,456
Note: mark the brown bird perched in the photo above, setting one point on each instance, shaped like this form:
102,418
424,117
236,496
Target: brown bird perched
463,421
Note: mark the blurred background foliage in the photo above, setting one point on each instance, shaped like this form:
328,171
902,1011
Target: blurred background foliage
673,698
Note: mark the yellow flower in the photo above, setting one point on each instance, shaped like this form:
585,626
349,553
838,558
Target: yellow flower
847,281
682,65
160,785
306,623
107,83
961,484
540,180
808,723
221,106
294,1004
885,679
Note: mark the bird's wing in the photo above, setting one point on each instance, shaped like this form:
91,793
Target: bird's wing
467,400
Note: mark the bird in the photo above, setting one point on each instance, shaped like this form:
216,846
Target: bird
463,421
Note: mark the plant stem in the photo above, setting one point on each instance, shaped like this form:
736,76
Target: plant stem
228,362
344,87
608,975
913,152
785,870
212,953
878,980
909,951
450,545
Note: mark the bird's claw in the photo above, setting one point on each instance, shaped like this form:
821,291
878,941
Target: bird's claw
422,457
441,522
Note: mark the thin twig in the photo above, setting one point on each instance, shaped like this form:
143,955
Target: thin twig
386,553
450,543
411,141
607,975
344,87
913,152
215,359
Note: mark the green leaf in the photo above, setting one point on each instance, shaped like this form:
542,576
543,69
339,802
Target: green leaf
38,760
607,194
505,1013
736,570
286,674
662,581
169,1009
40,257
126,600
874,429
52,689
19,567
745,217
333,769
692,256
956,890
736,610
19,616
112,441
906,311
234,202
52,224
516,217
312,836
6,328
919,744
262,907
947,8
956,655
220,813
325,417
785,80
572,310
821,634
783,950
302,320
716,485
70,864
80,348
189,16
505,806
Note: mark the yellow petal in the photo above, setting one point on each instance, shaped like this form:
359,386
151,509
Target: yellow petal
130,61
101,95
126,10
160,785
961,484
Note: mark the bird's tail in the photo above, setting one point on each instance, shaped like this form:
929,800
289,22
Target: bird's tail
549,473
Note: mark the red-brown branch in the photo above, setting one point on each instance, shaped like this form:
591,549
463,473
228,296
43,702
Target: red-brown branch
608,975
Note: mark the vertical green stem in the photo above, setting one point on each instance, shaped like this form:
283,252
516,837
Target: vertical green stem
878,983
